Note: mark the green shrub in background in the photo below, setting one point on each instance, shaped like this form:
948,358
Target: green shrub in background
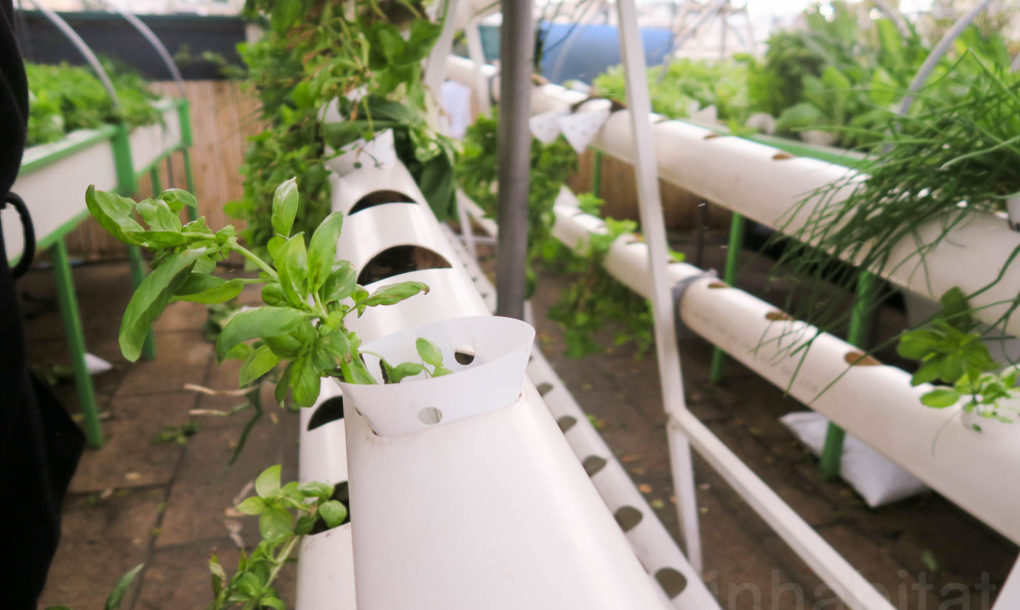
63,98
312,54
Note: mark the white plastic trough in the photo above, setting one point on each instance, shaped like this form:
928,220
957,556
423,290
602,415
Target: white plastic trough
491,511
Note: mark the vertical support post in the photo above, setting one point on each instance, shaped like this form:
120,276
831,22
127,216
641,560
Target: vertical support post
516,48
76,344
477,55
189,182
596,173
654,228
729,276
861,318
154,177
137,276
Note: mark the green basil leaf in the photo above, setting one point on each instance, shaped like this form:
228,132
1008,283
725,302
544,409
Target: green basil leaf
275,524
285,207
429,352
150,299
268,481
115,214
208,289
178,199
280,392
340,284
304,382
259,362
260,322
333,513
316,489
396,374
940,398
252,506
116,596
272,294
395,293
158,215
292,266
322,250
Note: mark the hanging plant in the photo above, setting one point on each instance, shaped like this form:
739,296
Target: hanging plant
312,54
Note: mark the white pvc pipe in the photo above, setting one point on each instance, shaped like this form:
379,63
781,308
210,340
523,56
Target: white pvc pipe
654,228
764,183
875,403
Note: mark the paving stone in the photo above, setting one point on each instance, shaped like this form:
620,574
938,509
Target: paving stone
182,357
128,457
206,484
101,540
178,577
181,316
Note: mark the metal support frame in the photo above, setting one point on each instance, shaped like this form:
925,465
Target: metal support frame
514,143
76,344
654,229
736,244
596,173
861,322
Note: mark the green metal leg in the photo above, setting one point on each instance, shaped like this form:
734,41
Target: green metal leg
729,276
154,176
192,212
137,276
76,344
861,318
596,174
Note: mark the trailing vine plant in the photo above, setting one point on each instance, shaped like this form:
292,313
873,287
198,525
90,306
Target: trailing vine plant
593,299
316,53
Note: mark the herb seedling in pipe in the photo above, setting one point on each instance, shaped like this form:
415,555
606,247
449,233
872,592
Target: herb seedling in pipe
307,293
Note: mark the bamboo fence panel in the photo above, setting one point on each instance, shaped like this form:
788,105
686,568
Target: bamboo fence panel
223,116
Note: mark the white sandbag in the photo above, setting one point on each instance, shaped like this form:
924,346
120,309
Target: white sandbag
875,478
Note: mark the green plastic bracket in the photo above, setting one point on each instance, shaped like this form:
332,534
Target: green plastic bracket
596,174
76,344
127,183
736,244
184,118
157,187
861,318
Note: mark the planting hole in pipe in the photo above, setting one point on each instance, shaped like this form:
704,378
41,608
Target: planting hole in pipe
331,409
782,156
430,416
715,285
342,494
628,517
712,136
380,197
465,354
593,464
671,581
566,422
400,259
778,316
861,359
544,388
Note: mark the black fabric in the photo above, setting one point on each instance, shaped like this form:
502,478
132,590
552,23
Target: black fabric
39,444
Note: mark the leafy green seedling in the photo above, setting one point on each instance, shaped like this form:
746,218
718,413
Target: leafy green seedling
951,352
308,294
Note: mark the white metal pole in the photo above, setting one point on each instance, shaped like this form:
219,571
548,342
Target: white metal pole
477,55
654,229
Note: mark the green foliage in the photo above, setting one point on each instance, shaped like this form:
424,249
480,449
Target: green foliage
594,298
286,513
307,293
312,54
950,352
63,98
691,84
935,169
551,164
